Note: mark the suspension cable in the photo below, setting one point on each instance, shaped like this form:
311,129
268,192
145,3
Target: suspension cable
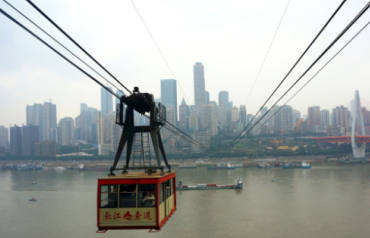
268,49
348,26
78,45
56,51
317,72
59,43
292,68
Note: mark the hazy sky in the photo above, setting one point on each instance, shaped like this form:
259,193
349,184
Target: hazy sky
229,37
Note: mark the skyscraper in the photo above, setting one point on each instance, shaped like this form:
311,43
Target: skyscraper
223,98
199,85
106,102
169,94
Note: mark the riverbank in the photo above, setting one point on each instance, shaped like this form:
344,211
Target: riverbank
104,165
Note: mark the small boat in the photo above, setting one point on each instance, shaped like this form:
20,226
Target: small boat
223,166
211,186
32,199
81,167
59,169
305,165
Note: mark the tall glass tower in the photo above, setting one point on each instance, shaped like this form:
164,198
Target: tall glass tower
106,102
169,94
199,85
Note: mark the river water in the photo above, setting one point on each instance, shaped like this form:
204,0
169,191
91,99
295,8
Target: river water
325,201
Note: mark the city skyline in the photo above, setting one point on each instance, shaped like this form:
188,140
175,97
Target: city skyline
229,51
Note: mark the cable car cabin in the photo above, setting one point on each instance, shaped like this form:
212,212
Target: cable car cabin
136,200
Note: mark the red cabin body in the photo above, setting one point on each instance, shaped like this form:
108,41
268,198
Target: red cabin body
135,200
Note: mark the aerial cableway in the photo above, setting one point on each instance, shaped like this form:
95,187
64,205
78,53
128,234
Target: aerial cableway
143,196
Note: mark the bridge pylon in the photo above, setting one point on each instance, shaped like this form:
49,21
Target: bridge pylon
358,128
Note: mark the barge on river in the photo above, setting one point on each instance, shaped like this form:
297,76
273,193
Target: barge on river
238,185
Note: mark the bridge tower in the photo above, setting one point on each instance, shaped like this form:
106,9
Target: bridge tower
358,128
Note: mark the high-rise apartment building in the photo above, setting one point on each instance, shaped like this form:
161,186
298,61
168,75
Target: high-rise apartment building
199,85
87,125
30,138
169,95
284,120
66,131
49,122
324,120
313,118
45,117
341,119
106,101
16,140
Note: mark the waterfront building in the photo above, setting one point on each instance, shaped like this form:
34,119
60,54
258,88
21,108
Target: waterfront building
46,149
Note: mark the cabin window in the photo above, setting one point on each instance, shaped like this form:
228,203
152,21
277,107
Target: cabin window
165,191
146,195
127,195
108,196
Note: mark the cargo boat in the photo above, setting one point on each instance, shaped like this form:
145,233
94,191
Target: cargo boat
211,186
